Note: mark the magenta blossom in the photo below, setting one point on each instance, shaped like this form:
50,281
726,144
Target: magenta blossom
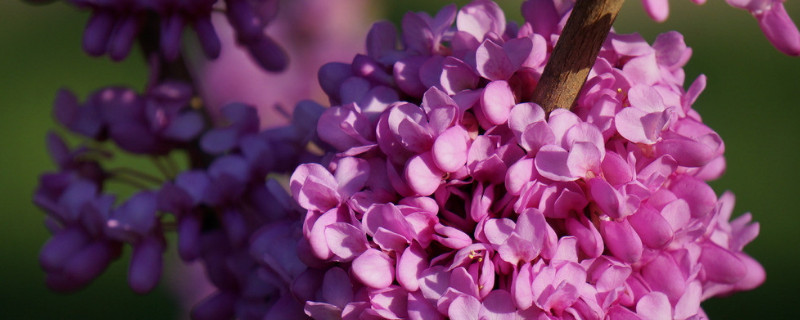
447,194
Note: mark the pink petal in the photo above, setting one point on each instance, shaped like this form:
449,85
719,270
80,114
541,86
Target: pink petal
616,170
655,306
639,126
390,303
698,195
583,158
434,282
551,163
497,231
522,115
316,236
314,187
688,153
671,50
589,240
481,17
492,62
337,288
518,175
322,310
780,29
621,240
410,266
422,174
498,305
518,51
652,228
689,303
721,265
464,307
351,175
497,101
457,76
607,198
420,309
658,10
535,136
345,240
406,75
374,269
663,274
450,149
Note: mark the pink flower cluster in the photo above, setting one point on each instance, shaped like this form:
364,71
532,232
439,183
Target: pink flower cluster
448,194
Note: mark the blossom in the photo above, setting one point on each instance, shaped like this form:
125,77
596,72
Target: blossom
446,193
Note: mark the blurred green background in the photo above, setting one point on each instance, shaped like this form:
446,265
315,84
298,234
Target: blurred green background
752,101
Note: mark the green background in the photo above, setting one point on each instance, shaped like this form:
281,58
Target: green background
752,101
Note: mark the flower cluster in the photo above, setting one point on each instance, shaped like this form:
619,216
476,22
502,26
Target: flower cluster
114,26
447,194
226,211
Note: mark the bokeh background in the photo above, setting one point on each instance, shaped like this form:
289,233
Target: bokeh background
752,101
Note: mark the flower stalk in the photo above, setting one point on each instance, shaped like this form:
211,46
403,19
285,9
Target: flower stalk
575,53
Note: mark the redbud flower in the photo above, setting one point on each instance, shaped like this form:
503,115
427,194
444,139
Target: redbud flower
446,193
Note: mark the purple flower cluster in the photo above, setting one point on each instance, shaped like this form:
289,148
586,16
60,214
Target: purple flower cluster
227,213
114,26
448,194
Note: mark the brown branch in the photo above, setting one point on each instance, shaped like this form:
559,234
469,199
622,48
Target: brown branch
575,53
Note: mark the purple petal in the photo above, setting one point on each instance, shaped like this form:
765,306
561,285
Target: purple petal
145,267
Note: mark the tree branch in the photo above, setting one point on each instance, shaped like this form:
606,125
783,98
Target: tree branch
575,53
